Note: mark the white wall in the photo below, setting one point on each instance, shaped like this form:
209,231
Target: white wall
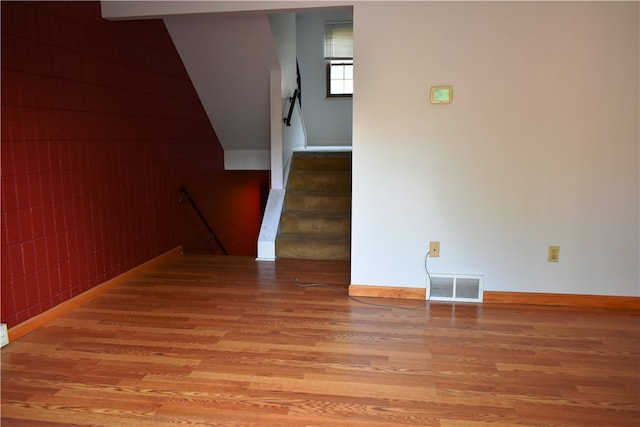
284,139
540,146
328,120
283,26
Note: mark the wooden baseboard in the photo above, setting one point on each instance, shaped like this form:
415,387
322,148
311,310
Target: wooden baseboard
493,297
387,292
566,300
43,318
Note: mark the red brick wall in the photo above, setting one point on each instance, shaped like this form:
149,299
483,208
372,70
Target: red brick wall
100,127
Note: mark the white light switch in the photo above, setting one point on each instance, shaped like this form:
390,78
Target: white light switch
4,335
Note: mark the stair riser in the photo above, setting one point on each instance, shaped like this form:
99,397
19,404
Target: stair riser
297,224
322,163
339,251
317,203
334,182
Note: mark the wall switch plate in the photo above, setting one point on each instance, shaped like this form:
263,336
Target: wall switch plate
4,335
434,249
554,254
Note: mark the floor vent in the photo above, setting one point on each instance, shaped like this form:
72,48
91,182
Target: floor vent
455,287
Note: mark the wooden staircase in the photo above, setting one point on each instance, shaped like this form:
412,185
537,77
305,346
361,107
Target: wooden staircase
316,217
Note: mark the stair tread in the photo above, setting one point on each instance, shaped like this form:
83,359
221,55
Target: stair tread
323,171
319,192
322,153
315,182
330,214
324,237
319,199
325,165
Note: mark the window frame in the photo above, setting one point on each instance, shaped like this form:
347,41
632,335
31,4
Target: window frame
328,79
338,51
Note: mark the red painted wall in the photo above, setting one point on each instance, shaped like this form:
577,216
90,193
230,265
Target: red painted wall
100,127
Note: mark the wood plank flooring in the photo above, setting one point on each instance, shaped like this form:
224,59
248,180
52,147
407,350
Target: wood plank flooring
229,341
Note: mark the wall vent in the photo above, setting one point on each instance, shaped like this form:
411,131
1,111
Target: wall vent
455,287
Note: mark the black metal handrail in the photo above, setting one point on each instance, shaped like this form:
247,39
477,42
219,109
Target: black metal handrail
297,94
292,99
212,236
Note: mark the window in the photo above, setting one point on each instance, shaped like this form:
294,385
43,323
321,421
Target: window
338,54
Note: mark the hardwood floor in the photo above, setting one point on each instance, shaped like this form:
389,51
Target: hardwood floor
228,341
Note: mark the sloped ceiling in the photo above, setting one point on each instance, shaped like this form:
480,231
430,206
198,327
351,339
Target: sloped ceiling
228,58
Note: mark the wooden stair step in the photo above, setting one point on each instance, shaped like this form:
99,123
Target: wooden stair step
334,181
314,222
317,201
322,163
305,246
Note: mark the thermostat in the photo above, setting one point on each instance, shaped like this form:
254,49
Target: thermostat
441,94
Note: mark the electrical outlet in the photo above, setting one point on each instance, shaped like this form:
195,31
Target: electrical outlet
4,335
434,249
554,254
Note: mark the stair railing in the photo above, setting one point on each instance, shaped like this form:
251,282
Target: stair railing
297,94
292,99
212,236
